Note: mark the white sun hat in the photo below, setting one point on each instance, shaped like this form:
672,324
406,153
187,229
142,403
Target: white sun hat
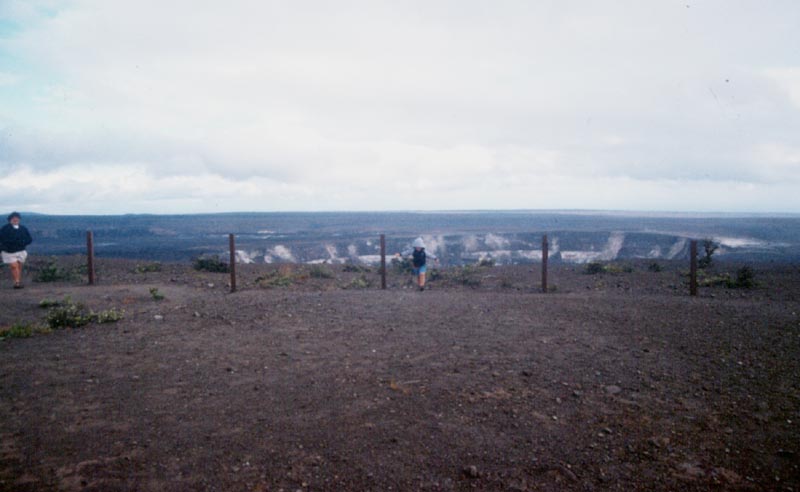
418,243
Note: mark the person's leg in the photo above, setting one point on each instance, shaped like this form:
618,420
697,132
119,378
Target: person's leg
422,280
15,271
19,271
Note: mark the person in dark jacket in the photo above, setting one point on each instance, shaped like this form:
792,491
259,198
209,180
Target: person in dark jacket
14,238
419,259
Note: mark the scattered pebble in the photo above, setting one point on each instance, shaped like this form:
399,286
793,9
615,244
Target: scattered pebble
613,389
471,471
158,317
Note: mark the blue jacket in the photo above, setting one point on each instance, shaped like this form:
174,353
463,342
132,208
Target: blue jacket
14,240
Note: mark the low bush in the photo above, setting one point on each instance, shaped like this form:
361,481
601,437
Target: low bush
18,330
320,271
275,279
467,275
210,264
486,262
360,282
655,267
69,314
745,278
109,316
593,268
709,248
402,265
51,272
155,294
48,303
148,267
352,267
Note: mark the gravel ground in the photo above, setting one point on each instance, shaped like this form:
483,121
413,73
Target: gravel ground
305,381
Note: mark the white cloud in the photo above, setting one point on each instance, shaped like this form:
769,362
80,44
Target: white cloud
414,105
788,79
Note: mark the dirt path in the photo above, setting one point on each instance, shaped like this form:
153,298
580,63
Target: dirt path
450,389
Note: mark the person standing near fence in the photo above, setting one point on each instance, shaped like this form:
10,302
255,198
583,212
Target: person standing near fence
14,238
419,258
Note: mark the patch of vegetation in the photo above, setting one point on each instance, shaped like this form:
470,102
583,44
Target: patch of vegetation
109,316
745,278
360,282
709,248
618,268
435,274
148,267
655,267
275,279
486,262
155,294
352,267
51,272
320,271
467,275
48,303
69,314
18,330
210,264
402,265
594,268
506,283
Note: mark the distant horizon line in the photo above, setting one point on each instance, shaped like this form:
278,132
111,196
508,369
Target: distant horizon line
609,212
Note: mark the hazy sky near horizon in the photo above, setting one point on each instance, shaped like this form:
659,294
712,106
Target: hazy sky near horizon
199,106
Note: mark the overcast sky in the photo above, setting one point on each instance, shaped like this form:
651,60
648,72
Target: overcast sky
199,106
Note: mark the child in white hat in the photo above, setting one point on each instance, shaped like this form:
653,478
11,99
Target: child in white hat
419,259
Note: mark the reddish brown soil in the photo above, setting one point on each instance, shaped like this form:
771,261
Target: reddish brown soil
613,382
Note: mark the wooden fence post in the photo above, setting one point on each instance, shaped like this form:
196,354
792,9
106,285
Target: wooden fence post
693,268
383,261
544,263
90,256
232,262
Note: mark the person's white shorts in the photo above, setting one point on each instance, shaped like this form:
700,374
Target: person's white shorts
19,256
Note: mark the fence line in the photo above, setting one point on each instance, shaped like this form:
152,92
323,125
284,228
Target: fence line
545,260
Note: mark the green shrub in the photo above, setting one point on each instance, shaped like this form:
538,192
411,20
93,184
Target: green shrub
402,265
155,294
486,262
709,248
593,268
467,275
745,278
274,280
53,273
352,267
360,282
48,303
148,267
210,264
108,316
618,269
69,314
320,271
17,330
655,267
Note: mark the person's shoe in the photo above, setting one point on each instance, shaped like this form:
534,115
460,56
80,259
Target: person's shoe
19,286
421,289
